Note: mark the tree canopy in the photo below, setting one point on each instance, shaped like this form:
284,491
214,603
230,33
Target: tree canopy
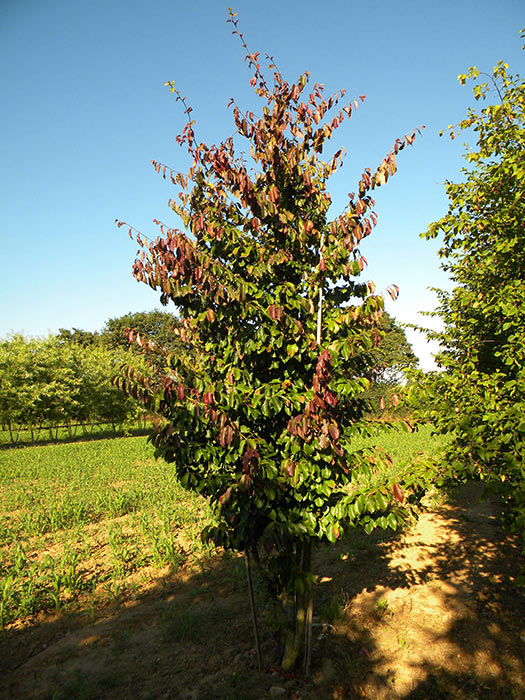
157,325
48,383
394,354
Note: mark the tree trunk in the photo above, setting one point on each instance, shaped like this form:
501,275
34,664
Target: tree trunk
299,609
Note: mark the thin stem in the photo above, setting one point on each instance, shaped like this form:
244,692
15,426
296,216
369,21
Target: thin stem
254,612
320,305
309,610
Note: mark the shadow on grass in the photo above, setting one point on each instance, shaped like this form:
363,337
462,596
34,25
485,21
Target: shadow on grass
427,615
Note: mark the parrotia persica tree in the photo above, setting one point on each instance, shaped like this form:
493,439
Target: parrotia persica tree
261,419
480,396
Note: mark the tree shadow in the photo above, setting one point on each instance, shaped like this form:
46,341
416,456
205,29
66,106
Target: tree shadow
439,615
431,613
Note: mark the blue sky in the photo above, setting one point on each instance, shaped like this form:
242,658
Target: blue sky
84,110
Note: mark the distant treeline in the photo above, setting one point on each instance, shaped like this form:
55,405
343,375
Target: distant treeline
66,380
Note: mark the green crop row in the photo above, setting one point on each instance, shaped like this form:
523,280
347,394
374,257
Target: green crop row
81,519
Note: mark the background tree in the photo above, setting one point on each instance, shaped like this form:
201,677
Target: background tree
261,420
393,355
78,336
52,383
390,359
157,325
480,395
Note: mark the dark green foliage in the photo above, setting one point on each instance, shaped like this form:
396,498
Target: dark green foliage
389,362
48,383
78,336
393,356
156,325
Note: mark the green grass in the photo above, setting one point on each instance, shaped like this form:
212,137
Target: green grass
84,523
88,517
403,445
401,448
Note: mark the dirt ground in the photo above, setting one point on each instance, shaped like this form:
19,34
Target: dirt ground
431,613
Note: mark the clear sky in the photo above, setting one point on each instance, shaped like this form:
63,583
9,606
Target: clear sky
84,110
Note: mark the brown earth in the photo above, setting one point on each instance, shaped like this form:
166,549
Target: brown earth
429,614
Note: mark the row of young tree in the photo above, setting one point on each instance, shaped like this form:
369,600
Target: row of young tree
48,385
66,381
262,420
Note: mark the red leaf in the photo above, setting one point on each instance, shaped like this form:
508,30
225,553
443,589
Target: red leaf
275,312
323,442
226,436
208,398
225,496
334,431
398,493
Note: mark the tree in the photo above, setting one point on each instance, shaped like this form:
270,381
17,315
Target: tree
18,392
389,361
78,336
394,354
48,383
156,325
480,395
261,419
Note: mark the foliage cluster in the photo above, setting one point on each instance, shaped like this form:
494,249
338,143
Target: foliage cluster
389,363
65,381
262,419
47,384
157,325
479,397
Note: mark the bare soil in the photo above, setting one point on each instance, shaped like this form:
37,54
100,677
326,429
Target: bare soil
429,614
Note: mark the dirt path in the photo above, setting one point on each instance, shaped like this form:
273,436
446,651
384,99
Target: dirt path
430,614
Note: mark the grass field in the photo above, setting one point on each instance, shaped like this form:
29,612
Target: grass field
87,523
82,523
108,593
